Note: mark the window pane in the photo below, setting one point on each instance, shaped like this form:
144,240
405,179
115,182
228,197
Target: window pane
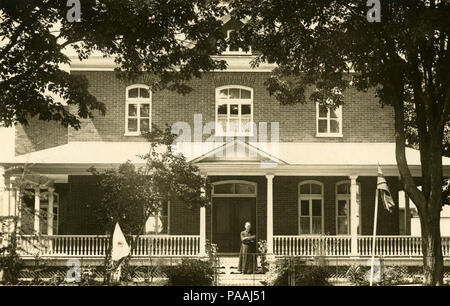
145,125
334,126
222,109
245,94
304,207
246,109
234,109
317,207
132,110
223,94
145,110
246,124
304,225
343,188
234,93
342,208
322,126
305,189
317,225
233,125
132,125
222,122
334,113
323,111
316,189
245,188
144,93
342,226
224,189
133,93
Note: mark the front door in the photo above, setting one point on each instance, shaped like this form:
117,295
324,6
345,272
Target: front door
229,217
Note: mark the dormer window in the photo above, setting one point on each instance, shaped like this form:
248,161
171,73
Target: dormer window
138,110
233,49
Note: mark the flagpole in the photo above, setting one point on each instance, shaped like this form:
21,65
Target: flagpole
374,236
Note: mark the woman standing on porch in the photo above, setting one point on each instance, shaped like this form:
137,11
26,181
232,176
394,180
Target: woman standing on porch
246,260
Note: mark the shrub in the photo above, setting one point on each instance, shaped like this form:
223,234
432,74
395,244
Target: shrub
295,272
357,275
360,276
191,272
262,249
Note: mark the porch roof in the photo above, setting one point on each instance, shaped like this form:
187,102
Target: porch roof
283,153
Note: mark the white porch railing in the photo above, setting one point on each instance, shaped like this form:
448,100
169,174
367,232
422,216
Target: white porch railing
387,246
402,246
312,245
96,246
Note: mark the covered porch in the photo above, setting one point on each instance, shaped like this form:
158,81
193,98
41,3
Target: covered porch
300,204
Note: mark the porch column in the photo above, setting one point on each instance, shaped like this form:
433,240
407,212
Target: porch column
269,213
354,215
37,208
50,211
202,251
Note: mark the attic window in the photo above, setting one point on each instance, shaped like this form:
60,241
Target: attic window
233,49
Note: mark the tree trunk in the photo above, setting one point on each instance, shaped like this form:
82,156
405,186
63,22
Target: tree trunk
433,263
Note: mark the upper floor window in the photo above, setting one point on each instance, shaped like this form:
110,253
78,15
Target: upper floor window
233,49
310,208
234,111
329,121
138,109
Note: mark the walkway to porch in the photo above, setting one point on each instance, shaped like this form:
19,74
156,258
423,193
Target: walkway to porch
189,246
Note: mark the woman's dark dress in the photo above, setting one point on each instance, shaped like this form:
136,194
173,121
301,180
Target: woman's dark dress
246,262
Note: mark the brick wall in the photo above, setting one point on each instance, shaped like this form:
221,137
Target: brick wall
361,113
39,135
77,216
286,205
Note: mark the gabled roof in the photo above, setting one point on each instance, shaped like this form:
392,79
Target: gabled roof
237,151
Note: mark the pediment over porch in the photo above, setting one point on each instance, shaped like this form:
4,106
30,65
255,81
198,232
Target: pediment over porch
237,151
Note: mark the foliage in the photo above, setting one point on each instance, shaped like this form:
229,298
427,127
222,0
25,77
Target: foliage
130,195
10,262
322,48
191,272
390,276
162,43
294,271
262,249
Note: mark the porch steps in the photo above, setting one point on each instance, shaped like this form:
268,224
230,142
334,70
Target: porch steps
240,280
229,275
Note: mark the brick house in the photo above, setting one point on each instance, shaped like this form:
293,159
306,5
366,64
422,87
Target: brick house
304,176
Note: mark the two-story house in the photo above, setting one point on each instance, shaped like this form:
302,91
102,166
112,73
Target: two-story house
303,175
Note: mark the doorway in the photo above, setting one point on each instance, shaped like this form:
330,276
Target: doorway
228,218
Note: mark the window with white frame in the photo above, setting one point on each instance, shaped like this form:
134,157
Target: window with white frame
343,203
158,223
44,213
234,111
328,121
138,109
310,208
233,49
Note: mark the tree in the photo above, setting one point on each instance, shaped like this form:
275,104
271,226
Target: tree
169,41
331,45
130,195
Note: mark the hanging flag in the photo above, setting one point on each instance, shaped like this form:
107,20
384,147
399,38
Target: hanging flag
120,246
385,194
